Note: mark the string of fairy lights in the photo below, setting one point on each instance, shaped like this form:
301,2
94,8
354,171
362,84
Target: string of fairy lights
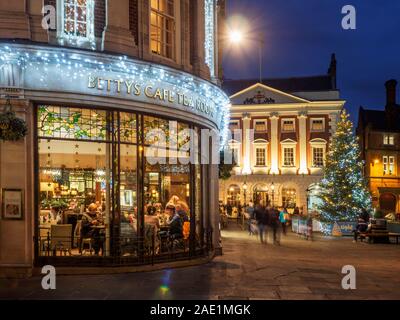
209,8
72,64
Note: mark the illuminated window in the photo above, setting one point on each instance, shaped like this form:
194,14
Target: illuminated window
78,18
288,157
317,125
288,125
318,157
162,28
388,140
260,157
388,165
260,126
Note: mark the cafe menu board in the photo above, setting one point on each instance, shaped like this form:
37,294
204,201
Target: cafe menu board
12,204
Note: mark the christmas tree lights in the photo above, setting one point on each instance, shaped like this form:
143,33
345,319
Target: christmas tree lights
343,189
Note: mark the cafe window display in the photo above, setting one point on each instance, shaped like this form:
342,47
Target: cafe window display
109,188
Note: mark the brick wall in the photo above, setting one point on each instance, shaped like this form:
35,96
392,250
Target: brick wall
134,20
99,17
192,14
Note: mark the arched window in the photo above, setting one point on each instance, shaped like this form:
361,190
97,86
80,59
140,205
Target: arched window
233,195
76,22
289,197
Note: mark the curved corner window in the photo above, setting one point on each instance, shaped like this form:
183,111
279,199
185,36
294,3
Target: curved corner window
76,23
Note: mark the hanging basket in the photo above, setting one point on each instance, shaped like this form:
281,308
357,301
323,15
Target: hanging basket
12,128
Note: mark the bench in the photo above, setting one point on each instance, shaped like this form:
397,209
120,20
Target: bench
394,235
373,235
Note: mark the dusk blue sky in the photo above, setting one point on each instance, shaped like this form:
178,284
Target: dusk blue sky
300,36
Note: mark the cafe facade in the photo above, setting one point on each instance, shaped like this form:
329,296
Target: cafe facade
112,138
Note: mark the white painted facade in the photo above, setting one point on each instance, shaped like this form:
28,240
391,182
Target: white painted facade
296,135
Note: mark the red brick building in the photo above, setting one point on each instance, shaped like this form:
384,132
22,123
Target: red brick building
379,134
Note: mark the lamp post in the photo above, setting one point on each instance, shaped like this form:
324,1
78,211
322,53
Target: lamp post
236,37
273,194
245,193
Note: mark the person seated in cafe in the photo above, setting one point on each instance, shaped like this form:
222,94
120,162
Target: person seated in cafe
361,227
365,215
152,218
73,205
163,217
128,235
174,222
182,213
55,215
151,209
90,220
173,201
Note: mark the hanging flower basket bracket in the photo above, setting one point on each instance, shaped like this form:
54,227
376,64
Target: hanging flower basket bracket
12,128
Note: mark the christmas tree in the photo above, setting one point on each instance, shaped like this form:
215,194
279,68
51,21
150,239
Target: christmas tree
343,189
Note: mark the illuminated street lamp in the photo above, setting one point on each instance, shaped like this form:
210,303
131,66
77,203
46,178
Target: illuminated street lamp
273,193
237,37
244,193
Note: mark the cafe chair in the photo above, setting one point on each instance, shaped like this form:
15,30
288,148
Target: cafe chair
82,241
44,240
61,238
87,241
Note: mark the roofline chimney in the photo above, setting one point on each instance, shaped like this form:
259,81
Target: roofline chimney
391,92
333,69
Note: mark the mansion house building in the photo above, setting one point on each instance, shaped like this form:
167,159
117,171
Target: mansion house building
280,134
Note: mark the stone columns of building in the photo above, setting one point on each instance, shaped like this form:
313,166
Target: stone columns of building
247,137
303,169
14,21
198,38
214,208
15,168
117,36
274,144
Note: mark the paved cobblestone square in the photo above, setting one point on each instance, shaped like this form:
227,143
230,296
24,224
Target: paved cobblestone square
298,269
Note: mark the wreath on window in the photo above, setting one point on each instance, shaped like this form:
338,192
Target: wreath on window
12,128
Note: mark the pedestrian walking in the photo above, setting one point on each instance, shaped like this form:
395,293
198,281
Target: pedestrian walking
249,214
309,230
274,222
282,219
229,209
262,222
